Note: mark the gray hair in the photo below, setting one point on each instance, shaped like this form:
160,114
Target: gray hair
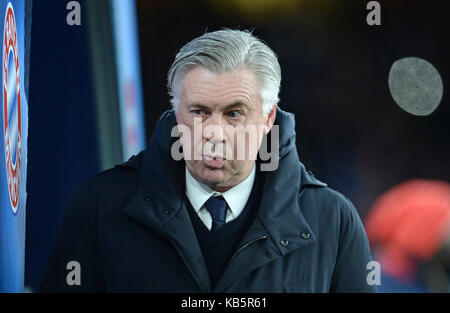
225,51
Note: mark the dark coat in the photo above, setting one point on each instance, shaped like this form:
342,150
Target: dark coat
129,230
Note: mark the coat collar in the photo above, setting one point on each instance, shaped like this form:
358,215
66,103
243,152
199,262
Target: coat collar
158,201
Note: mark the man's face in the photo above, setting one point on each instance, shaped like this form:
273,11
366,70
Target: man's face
224,115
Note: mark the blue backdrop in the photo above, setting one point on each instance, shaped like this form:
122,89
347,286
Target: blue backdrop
62,142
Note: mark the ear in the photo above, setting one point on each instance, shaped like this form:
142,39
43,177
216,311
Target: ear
270,119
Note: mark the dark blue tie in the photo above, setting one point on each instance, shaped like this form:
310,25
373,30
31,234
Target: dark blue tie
217,207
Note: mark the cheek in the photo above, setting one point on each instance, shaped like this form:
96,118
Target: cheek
246,144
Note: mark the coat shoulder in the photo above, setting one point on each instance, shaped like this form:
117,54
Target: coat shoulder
327,205
326,197
122,176
112,184
110,180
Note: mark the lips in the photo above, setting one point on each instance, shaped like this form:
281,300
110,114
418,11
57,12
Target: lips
214,161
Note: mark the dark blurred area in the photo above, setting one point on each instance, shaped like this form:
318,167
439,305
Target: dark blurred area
63,150
335,68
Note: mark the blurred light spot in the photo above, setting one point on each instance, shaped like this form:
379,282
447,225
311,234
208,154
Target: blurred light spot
416,86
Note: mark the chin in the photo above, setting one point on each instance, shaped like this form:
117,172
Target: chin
211,177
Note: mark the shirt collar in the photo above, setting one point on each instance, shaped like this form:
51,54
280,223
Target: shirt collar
235,197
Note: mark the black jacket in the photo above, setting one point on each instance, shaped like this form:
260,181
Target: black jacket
129,230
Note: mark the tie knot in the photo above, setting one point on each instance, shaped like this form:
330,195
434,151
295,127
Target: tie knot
217,207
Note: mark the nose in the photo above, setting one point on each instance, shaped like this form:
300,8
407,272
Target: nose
214,129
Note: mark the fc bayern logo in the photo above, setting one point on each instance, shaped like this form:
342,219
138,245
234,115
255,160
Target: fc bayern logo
11,106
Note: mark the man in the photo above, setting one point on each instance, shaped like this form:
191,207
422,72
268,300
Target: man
220,219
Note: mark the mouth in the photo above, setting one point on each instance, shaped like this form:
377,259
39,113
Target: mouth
214,161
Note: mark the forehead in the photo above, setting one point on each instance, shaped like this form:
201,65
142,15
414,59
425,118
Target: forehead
208,88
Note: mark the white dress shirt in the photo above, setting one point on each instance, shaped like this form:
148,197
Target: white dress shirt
236,197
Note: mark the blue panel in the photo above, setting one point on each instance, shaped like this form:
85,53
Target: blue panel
129,77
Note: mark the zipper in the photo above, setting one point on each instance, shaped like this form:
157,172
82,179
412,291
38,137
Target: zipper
246,245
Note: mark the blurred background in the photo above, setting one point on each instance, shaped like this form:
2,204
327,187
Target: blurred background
97,89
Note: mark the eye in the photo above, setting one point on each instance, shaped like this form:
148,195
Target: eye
234,114
198,112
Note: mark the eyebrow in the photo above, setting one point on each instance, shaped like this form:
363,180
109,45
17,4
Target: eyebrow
236,104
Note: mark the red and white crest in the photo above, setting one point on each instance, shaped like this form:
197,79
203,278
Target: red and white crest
11,106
